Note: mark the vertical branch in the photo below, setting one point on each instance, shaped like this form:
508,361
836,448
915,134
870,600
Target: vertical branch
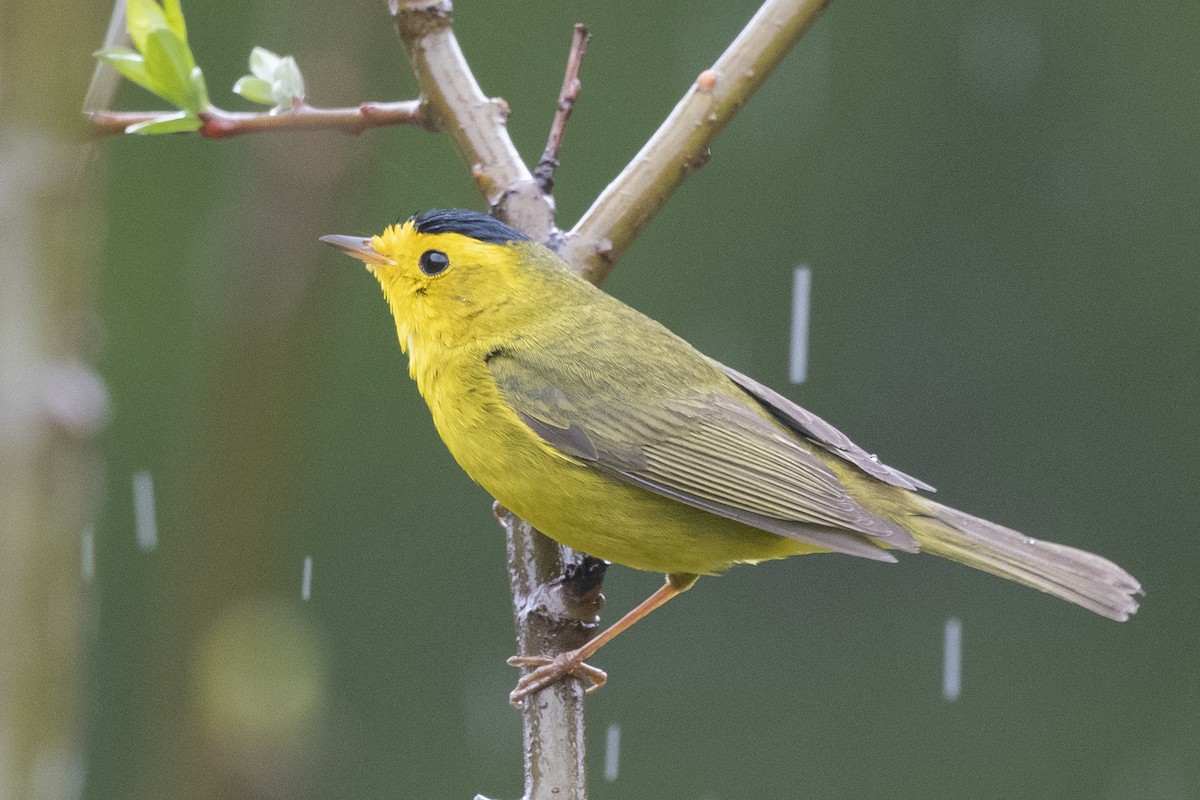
478,124
549,618
553,613
556,594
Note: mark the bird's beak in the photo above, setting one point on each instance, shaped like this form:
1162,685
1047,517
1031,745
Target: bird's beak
357,247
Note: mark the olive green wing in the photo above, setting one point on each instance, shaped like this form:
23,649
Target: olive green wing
707,448
820,432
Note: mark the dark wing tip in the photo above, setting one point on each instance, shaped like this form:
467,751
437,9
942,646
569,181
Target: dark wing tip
571,440
820,432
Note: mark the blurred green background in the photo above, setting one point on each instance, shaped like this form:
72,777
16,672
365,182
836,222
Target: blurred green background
998,203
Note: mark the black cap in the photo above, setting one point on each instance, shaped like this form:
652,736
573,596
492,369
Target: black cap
468,223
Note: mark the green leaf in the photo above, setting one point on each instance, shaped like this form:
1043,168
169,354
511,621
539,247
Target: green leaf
111,54
288,85
130,65
179,122
201,87
274,80
170,63
142,17
162,64
125,61
174,15
256,90
263,63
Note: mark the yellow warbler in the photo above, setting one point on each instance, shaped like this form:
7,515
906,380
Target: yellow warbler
617,438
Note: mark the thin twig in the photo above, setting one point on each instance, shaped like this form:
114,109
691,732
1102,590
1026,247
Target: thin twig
221,124
477,123
544,173
680,145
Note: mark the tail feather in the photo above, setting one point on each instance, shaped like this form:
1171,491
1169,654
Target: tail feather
1079,577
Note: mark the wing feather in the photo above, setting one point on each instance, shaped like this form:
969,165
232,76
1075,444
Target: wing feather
820,432
705,448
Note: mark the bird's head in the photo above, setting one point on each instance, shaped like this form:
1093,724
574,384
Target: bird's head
446,274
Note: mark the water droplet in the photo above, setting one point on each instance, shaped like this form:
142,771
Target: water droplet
801,302
952,660
145,522
612,752
306,579
87,548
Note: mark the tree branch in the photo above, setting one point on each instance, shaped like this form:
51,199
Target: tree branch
453,100
550,617
680,146
544,173
221,124
556,599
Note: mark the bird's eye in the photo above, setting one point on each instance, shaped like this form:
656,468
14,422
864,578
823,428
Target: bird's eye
433,261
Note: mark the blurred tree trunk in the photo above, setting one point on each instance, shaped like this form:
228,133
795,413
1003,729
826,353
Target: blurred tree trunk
230,636
52,404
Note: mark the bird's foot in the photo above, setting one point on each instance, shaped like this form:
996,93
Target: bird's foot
550,670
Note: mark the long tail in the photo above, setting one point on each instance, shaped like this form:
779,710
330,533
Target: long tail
1079,577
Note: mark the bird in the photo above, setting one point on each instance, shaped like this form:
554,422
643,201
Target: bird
616,437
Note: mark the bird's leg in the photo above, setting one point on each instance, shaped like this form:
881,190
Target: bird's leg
551,669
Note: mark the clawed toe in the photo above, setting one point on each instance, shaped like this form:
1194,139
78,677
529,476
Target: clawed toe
551,670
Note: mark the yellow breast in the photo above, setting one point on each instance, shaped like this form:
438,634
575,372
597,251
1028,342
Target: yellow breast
566,498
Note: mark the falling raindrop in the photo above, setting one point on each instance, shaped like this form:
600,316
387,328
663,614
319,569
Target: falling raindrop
801,291
952,660
306,579
612,752
145,522
87,548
